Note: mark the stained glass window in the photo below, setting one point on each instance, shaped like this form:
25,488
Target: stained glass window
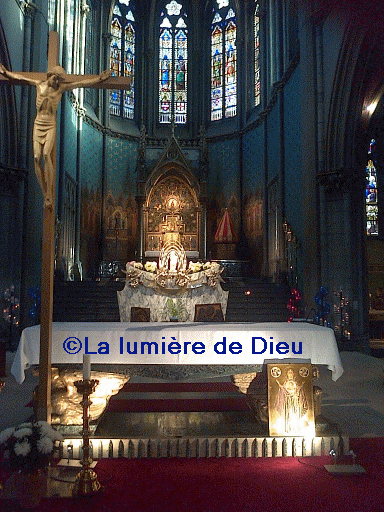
223,62
371,204
257,52
122,58
173,63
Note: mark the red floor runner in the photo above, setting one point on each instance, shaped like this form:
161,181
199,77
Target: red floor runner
178,405
234,485
180,387
119,404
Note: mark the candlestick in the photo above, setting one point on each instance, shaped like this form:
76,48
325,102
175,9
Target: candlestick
86,482
86,367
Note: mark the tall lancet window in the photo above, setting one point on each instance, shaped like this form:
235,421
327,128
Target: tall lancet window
223,62
371,204
256,35
173,64
122,58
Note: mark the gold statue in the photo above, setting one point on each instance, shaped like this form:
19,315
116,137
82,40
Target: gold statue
48,96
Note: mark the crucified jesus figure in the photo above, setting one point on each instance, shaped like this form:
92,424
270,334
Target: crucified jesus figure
48,96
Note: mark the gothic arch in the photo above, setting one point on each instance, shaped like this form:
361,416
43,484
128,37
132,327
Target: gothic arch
358,80
357,83
172,210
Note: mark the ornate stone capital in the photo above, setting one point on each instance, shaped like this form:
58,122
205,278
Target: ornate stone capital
29,9
85,9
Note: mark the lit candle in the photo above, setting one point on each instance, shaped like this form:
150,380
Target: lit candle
86,367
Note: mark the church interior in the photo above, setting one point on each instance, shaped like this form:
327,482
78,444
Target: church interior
232,154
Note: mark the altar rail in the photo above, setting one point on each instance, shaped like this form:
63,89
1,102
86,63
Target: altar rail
239,447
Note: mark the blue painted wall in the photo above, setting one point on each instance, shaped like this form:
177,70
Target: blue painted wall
120,207
253,194
293,163
91,196
223,188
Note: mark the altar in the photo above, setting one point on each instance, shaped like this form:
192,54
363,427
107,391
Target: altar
173,351
190,344
171,294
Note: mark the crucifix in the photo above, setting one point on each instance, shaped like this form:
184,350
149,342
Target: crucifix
50,87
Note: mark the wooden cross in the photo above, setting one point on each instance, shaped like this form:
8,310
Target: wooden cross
47,278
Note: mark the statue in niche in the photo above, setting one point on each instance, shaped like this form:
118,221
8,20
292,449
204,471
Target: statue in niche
173,258
172,229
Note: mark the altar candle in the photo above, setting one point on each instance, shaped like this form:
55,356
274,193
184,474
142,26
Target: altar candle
86,367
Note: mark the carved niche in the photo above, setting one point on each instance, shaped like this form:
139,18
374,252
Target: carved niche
171,214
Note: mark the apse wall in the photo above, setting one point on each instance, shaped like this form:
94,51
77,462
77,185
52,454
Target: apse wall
91,165
223,190
253,194
120,207
293,157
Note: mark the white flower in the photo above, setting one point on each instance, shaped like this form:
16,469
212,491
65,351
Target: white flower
195,267
207,265
27,424
150,266
6,434
22,432
45,445
47,430
44,427
22,448
137,264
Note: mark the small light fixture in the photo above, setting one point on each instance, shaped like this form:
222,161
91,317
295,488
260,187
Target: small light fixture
371,107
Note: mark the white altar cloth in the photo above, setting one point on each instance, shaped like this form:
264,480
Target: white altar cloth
318,344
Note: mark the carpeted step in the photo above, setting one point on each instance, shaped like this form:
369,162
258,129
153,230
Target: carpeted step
178,405
179,387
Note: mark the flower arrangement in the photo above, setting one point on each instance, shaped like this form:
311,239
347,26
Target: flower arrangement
195,267
212,265
151,266
28,446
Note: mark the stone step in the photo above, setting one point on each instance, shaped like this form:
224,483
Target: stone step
91,301
238,447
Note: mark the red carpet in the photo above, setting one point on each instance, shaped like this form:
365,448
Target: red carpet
180,387
175,405
234,485
159,403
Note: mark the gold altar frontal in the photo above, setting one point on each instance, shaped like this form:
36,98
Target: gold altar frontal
290,399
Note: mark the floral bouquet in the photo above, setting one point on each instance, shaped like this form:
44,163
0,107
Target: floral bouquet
195,267
151,266
28,446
